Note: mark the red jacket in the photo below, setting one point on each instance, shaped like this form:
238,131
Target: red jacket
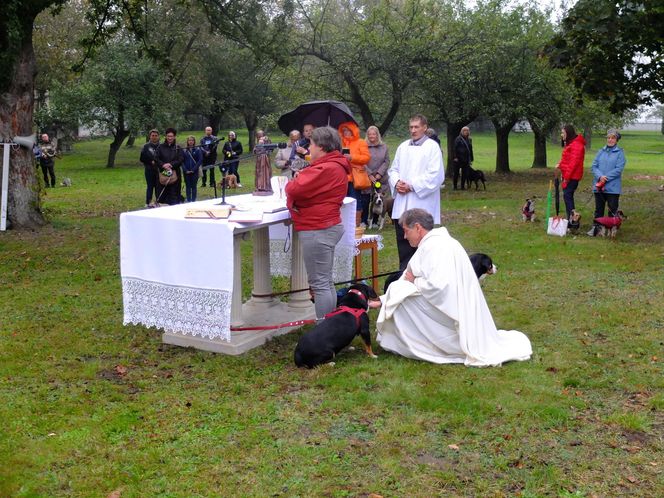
571,162
314,198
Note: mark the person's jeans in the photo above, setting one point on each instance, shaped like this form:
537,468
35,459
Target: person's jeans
603,199
48,169
462,168
568,196
318,250
234,169
363,201
404,248
190,181
205,175
151,182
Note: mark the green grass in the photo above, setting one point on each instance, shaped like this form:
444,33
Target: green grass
584,417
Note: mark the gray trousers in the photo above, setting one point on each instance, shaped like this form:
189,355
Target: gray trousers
318,250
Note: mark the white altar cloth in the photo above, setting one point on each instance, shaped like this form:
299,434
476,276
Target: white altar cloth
178,275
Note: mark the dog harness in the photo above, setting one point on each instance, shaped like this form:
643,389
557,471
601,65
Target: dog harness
357,313
609,221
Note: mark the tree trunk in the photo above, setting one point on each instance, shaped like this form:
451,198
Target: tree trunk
251,120
16,107
119,137
453,130
588,136
539,145
214,121
131,140
502,146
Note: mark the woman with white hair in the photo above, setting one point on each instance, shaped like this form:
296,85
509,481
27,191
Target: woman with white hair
377,166
232,151
607,171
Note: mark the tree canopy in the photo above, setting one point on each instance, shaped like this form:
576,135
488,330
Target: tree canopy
614,50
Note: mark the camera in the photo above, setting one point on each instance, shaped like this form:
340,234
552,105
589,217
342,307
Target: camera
345,151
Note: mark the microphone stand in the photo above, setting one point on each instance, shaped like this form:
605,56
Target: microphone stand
224,168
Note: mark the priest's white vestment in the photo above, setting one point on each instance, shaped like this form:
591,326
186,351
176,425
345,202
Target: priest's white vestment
421,166
442,316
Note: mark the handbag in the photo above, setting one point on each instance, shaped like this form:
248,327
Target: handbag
360,178
165,179
557,226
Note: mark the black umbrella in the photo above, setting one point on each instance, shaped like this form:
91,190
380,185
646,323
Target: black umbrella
317,113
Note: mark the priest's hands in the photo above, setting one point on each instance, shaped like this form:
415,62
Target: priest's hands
408,275
403,188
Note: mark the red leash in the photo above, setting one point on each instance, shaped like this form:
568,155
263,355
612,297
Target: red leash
280,326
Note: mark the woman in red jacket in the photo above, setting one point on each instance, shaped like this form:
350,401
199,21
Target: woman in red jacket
570,167
314,198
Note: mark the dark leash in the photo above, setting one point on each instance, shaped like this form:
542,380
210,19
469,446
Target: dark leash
354,280
298,323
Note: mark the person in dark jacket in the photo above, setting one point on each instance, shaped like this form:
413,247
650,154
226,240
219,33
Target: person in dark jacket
46,159
232,151
193,159
149,160
314,198
169,159
463,157
209,147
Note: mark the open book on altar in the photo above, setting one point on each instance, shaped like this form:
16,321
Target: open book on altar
211,213
246,216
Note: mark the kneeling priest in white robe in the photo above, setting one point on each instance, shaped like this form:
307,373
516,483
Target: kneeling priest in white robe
436,311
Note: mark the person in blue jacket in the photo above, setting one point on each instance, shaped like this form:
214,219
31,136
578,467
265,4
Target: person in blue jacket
607,171
193,159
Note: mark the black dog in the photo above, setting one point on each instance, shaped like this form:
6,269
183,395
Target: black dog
322,343
483,265
477,176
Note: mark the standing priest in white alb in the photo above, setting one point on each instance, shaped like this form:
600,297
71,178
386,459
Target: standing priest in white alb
416,174
436,311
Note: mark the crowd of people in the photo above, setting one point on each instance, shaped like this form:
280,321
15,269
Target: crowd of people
433,307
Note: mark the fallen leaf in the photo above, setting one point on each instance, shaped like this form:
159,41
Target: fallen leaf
453,446
115,494
631,479
120,370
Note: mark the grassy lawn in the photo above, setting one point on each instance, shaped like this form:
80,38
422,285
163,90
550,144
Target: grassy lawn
89,406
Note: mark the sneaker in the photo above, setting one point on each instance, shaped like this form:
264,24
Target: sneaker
239,185
591,232
363,225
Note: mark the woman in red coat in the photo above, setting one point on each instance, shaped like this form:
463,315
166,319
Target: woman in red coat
314,198
570,167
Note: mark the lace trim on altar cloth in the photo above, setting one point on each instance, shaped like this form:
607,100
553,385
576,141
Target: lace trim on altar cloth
280,261
369,238
185,310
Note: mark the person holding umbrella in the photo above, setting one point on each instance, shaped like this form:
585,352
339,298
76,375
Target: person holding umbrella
314,199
